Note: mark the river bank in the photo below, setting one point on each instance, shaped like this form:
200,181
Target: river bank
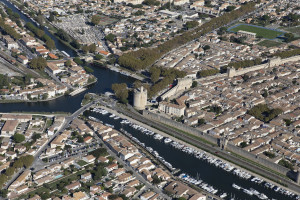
48,114
30,101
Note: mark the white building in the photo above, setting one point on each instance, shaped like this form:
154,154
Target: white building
171,109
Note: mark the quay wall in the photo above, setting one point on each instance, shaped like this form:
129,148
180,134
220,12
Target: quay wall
229,146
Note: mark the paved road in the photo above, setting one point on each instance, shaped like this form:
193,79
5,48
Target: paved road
224,154
9,65
39,164
29,54
229,24
57,80
37,161
136,174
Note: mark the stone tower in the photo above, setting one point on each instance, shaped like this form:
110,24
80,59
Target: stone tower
274,62
223,142
140,98
298,176
231,72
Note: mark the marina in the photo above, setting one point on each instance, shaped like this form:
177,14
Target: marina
198,168
249,192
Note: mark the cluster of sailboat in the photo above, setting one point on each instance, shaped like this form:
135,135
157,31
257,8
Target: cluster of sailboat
200,155
151,151
250,191
198,182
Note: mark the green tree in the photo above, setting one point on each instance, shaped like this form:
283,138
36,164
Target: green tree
88,69
263,113
269,154
92,48
45,195
139,13
18,138
143,58
194,84
99,152
151,2
3,179
286,164
243,144
288,122
95,19
287,54
80,139
222,31
265,94
110,37
78,61
68,63
3,193
289,37
156,180
45,96
85,49
201,121
18,164
230,8
191,24
98,57
27,160
206,47
208,72
63,35
50,44
10,171
121,91
38,63
155,74
75,44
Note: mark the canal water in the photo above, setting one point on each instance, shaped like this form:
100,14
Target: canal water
210,174
59,45
214,176
105,78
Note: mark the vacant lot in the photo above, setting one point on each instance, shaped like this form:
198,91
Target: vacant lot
260,31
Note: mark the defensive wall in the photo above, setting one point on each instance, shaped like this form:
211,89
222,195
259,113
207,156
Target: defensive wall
229,146
260,160
272,63
182,84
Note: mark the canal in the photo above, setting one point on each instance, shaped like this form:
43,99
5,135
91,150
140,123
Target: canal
59,45
214,176
210,174
70,104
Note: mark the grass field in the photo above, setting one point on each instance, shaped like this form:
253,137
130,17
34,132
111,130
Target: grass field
269,43
263,32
